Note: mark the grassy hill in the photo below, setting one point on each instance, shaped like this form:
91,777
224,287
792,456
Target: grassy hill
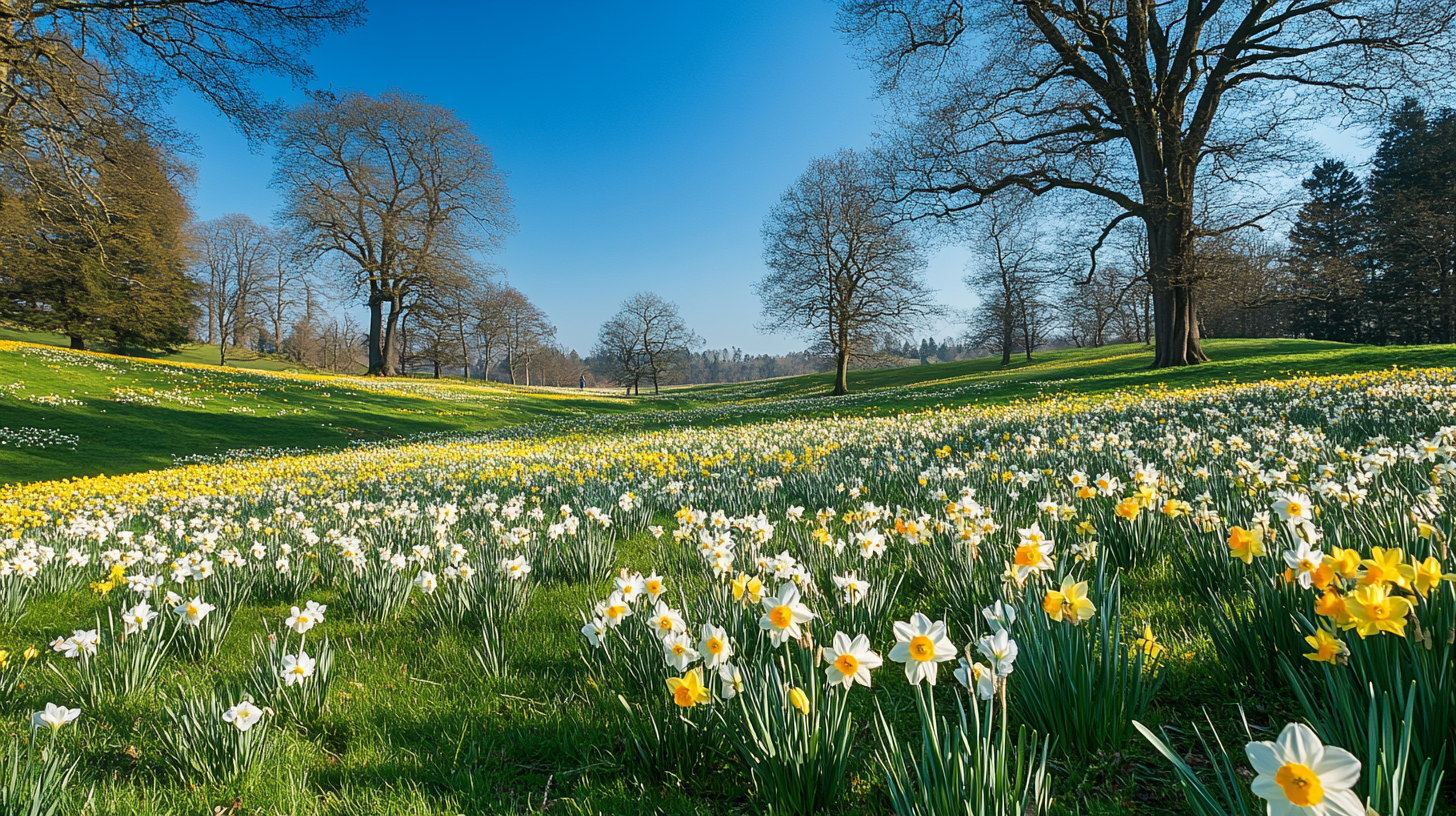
64,413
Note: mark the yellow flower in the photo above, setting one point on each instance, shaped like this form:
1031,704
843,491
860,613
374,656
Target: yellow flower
1332,606
4,659
1386,566
1427,576
1148,645
1372,609
747,589
1245,544
1128,508
1327,648
31,653
1069,603
798,699
1344,562
688,690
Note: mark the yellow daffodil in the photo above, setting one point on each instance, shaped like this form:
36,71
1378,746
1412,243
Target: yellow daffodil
1327,648
1069,603
688,690
1245,544
1373,609
1385,567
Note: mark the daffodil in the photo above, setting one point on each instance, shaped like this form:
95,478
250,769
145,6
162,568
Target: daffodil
1000,650
747,588
678,651
1069,602
302,620
1246,544
1327,647
54,716
1385,567
783,613
1303,560
688,690
1373,609
666,621
243,716
977,677
1300,776
1148,645
1427,576
192,612
595,631
714,646
850,661
922,646
614,610
297,668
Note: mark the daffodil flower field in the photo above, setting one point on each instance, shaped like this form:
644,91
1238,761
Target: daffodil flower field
1229,599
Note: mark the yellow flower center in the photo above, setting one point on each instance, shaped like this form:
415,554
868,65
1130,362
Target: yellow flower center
615,612
191,610
683,696
1028,555
678,648
1378,610
921,648
781,616
654,587
847,664
664,623
1300,784
715,646
1295,509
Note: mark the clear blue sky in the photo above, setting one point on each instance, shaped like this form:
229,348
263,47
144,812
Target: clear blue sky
644,141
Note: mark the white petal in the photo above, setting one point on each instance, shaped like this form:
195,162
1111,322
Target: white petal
1343,803
1338,769
1264,758
1300,744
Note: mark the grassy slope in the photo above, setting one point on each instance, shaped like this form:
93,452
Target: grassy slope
207,410
249,409
199,353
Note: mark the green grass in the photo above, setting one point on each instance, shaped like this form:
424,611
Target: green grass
199,353
249,409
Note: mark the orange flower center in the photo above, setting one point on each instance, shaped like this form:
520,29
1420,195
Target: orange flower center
781,616
922,648
847,664
1300,784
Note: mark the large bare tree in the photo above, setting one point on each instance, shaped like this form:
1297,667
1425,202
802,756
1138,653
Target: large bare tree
646,339
841,271
398,192
66,65
1145,104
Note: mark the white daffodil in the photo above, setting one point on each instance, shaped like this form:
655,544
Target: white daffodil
1299,776
595,631
782,615
678,651
614,610
730,681
297,668
666,621
54,717
515,568
192,612
850,661
138,618
977,677
1303,561
305,619
1001,650
631,586
714,646
999,616
426,582
654,586
243,716
922,646
852,588
1294,507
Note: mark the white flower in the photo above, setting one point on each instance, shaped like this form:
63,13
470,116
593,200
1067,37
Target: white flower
596,633
54,716
678,651
714,646
921,645
783,614
850,661
654,586
730,681
631,586
243,715
1303,560
192,612
311,615
1293,506
1298,776
297,669
138,618
977,677
665,620
426,582
999,616
515,568
1000,649
851,588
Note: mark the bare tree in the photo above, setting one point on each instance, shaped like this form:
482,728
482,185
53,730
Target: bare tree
527,331
398,191
1015,272
283,288
840,270
1143,104
234,257
646,339
67,65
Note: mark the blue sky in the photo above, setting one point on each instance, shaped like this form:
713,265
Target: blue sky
644,141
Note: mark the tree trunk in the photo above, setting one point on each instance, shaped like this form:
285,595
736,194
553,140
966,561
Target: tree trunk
841,373
1171,271
388,366
376,327
78,343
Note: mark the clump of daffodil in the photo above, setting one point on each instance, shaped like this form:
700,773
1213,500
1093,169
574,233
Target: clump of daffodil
1373,609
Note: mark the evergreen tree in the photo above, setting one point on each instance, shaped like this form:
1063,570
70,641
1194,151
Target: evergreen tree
1326,249
1412,197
